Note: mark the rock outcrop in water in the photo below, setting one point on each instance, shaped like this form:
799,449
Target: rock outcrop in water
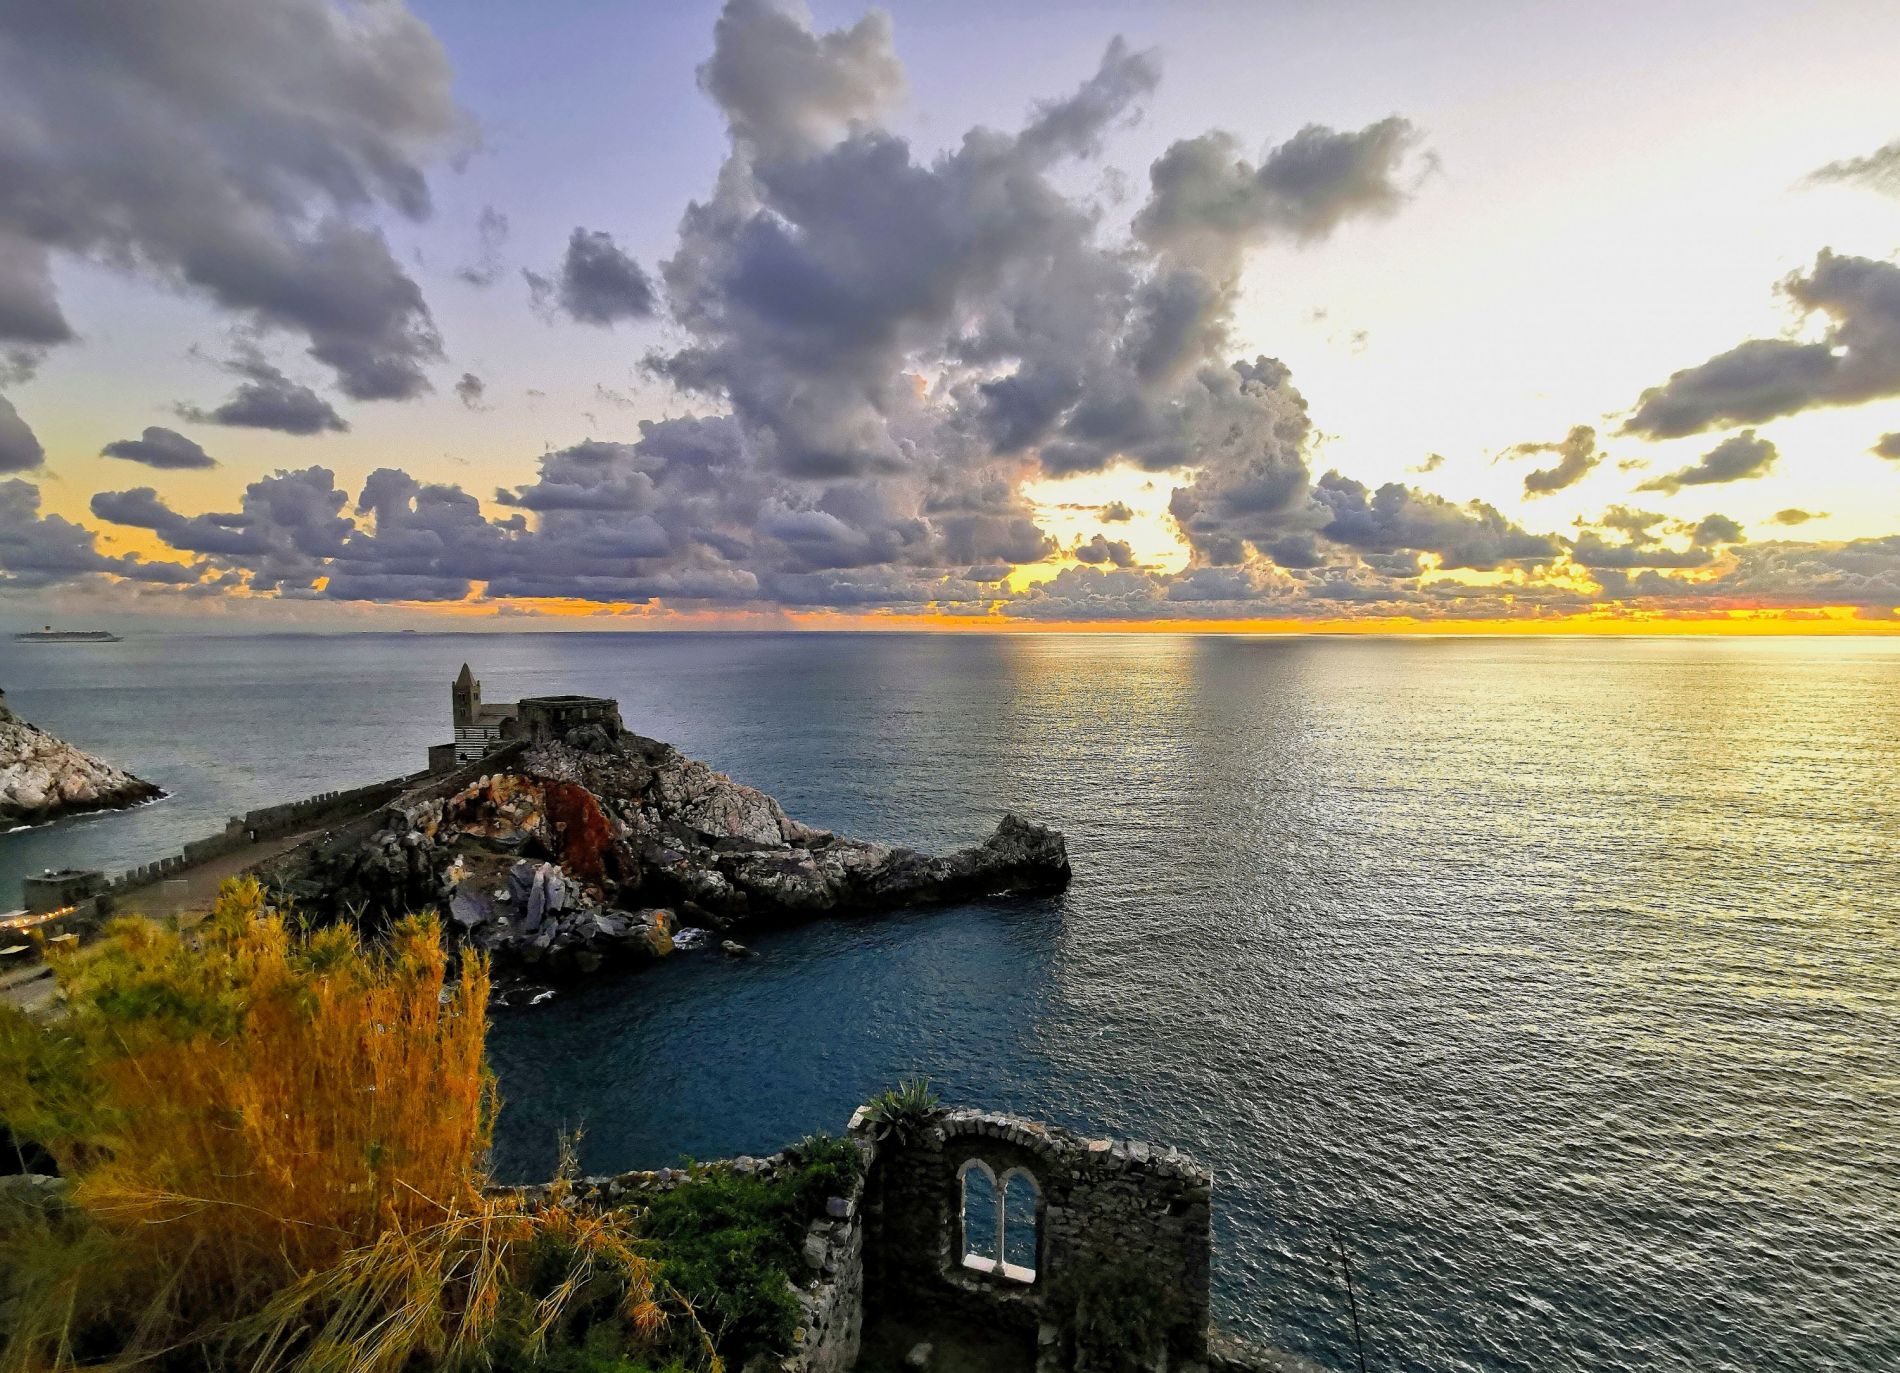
599,847
43,777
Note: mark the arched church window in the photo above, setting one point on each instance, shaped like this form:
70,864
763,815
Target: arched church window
1001,1222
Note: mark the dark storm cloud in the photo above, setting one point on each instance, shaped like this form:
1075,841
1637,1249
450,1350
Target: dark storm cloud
1577,456
20,449
1857,360
1888,447
1735,458
470,390
1878,170
267,399
160,447
231,147
597,283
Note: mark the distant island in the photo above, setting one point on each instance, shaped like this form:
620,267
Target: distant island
49,635
43,778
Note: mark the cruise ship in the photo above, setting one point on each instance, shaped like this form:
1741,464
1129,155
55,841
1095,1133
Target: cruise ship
49,635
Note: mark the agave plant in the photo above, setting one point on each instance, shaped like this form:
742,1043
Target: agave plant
902,1112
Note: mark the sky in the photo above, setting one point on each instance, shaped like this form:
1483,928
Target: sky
1345,317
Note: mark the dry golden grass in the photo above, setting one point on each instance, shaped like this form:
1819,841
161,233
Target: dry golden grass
276,1148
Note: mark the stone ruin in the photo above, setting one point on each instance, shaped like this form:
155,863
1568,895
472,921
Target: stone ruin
905,1250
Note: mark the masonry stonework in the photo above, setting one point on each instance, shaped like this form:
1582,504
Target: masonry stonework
1102,1204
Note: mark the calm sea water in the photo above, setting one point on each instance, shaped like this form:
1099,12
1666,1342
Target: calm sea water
1561,979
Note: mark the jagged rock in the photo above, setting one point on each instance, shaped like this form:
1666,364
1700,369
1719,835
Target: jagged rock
43,777
578,856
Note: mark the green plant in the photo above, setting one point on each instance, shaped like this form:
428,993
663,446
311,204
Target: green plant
729,1245
902,1112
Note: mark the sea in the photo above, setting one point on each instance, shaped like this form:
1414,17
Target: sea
1551,984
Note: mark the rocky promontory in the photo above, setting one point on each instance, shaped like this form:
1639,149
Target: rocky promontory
43,778
605,845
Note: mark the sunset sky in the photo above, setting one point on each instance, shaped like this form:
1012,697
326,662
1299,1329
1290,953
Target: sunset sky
1375,316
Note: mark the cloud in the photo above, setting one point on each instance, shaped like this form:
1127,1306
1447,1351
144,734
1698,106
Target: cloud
898,345
160,447
597,283
1716,529
1589,551
786,90
1878,170
1635,525
1794,515
491,232
284,535
1101,549
1737,457
29,306
1433,461
1856,360
48,550
1578,455
20,449
1207,197
1861,573
1398,518
866,314
1888,447
268,399
233,148
470,390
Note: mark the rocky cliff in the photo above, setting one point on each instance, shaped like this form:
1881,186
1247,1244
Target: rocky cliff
43,778
601,847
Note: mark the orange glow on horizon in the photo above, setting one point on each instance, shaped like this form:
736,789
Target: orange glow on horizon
1813,621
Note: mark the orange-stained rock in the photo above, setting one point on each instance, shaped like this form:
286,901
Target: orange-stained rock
583,833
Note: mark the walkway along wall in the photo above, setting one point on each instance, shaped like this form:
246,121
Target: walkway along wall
352,809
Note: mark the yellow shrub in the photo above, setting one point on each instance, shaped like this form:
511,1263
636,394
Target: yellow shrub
273,1142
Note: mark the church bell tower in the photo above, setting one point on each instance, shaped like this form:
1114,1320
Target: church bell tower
466,696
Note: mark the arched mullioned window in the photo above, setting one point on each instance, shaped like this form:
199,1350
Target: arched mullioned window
1000,1221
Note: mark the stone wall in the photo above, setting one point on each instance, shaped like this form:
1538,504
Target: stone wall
1106,1206
428,787
270,822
